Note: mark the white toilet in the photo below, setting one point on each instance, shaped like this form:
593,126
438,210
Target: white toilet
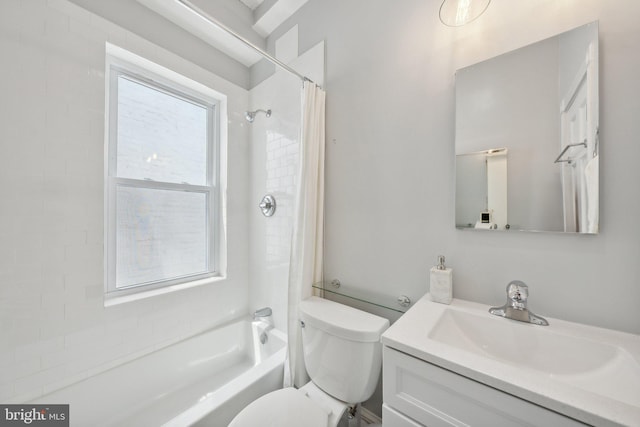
343,356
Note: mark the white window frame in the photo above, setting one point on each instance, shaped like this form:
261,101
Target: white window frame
120,62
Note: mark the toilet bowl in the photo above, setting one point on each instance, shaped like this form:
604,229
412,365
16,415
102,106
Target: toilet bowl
343,357
289,407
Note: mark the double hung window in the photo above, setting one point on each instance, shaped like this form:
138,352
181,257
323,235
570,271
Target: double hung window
162,185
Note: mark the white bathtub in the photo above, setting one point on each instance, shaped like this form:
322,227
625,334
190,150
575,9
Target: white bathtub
202,381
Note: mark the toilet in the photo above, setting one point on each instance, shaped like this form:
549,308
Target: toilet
343,357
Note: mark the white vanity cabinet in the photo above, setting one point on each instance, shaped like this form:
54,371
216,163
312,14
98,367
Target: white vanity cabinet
418,393
459,365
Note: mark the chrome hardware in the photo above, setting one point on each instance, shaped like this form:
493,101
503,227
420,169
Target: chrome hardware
404,301
251,115
263,317
568,146
302,324
263,322
262,312
268,205
353,413
335,283
264,338
516,305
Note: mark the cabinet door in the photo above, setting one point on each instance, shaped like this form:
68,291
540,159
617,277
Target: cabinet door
392,418
436,397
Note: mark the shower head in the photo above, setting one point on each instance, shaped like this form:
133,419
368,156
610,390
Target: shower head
251,115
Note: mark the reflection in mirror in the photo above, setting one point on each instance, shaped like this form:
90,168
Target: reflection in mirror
481,190
540,105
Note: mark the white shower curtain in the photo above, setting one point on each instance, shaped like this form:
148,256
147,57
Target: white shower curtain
305,266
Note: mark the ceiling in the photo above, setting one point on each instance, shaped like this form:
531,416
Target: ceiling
252,4
253,20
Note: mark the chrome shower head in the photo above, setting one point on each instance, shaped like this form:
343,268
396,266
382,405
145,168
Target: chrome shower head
251,115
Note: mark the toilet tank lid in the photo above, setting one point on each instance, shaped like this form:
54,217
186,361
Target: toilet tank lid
341,320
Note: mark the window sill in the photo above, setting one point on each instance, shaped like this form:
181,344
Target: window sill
111,300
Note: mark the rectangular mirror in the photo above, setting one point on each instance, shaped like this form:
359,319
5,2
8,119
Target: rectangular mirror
527,137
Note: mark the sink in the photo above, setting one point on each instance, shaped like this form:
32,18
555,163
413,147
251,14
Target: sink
521,344
590,365
587,373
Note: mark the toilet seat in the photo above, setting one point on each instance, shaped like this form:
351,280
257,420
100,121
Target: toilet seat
287,407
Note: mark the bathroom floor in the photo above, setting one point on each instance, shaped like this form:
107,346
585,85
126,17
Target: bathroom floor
345,422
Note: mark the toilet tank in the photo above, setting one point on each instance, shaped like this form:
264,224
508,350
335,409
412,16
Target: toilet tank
342,349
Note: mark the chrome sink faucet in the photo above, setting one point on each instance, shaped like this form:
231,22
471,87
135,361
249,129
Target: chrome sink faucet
516,306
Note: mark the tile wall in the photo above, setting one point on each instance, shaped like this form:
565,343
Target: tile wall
54,328
275,146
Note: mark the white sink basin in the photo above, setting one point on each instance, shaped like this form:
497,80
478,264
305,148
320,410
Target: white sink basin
521,344
588,373
591,365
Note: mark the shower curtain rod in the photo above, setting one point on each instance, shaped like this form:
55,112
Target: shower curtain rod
202,14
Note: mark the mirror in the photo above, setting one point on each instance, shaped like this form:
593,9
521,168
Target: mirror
527,137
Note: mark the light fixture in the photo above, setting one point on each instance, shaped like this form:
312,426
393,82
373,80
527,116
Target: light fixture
455,13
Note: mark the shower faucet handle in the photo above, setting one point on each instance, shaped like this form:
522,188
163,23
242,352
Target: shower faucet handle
268,205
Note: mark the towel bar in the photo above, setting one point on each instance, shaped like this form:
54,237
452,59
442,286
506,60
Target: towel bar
560,160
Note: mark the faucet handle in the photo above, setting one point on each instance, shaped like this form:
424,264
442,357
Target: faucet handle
516,306
518,293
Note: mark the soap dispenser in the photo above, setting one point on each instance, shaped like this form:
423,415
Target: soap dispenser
441,283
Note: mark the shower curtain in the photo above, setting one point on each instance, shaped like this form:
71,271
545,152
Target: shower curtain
305,266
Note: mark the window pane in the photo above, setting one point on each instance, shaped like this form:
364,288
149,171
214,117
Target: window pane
160,234
160,137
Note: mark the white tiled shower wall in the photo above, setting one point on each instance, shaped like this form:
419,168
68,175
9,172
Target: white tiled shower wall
54,329
274,154
274,163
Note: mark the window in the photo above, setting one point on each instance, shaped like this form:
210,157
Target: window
163,210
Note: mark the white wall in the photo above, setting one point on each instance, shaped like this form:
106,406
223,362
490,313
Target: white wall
472,188
497,170
573,48
390,156
133,16
275,151
54,328
274,154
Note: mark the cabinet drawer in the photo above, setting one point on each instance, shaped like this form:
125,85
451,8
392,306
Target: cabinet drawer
392,418
437,397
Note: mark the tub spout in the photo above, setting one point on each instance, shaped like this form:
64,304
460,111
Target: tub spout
262,312
263,323
264,317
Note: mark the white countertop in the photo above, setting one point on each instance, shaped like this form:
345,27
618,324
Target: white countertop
607,395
